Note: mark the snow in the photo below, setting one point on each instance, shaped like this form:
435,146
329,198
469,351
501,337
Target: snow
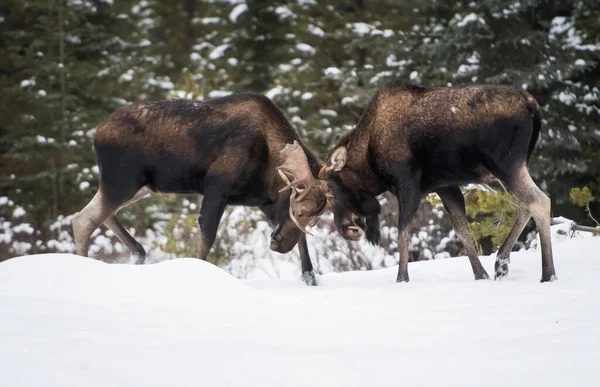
274,92
218,51
559,25
317,31
216,20
72,39
305,48
470,18
284,67
23,228
27,82
566,97
126,77
332,71
187,322
218,93
283,12
360,28
328,112
103,72
18,212
166,85
237,11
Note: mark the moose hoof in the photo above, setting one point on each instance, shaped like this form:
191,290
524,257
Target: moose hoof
139,259
482,276
138,254
549,278
402,279
501,268
308,277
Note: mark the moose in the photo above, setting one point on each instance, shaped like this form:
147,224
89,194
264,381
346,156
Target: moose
234,150
414,140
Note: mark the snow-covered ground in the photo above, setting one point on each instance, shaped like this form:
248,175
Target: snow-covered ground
72,321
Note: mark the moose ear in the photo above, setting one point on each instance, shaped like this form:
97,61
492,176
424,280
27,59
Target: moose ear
337,160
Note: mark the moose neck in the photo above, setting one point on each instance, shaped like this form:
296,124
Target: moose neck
358,171
361,166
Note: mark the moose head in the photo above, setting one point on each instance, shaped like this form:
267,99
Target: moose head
354,215
307,199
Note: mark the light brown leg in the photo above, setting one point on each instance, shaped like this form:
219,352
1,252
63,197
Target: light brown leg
121,232
532,202
90,218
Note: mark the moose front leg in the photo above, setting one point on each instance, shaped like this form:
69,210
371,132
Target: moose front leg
454,203
308,275
213,206
408,203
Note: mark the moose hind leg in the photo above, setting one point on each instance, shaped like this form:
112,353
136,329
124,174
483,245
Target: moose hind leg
542,216
503,255
113,223
454,203
136,248
90,218
532,202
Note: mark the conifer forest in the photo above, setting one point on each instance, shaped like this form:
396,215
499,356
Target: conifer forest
66,64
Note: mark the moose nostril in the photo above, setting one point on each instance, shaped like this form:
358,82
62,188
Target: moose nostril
354,230
277,238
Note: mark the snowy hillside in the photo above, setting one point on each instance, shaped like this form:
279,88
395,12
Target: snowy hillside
72,321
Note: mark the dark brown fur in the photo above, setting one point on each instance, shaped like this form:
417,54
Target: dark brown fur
414,140
226,149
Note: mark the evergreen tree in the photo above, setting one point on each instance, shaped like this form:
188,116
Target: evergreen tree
63,63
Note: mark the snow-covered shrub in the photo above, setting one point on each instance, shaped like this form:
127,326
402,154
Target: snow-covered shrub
167,227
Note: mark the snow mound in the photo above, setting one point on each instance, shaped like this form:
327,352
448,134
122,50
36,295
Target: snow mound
69,321
184,282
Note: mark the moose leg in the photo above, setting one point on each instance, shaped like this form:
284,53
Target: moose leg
454,203
532,201
89,219
408,204
503,256
135,248
213,206
308,275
